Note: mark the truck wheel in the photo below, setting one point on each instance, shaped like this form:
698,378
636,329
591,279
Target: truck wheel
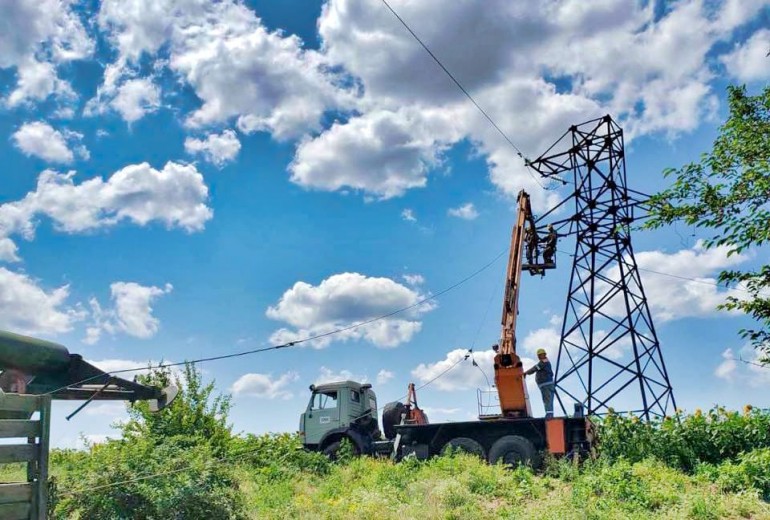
513,450
466,445
333,449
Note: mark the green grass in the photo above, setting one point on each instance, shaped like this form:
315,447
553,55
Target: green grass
462,487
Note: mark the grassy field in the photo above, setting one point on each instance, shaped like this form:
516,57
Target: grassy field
462,487
186,463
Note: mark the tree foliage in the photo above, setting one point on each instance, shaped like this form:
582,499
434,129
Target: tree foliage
727,193
196,413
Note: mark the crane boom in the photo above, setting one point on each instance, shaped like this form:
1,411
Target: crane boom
509,378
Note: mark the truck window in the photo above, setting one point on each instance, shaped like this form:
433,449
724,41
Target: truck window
355,396
325,400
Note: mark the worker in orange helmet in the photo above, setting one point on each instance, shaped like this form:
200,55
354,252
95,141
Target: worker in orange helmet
544,380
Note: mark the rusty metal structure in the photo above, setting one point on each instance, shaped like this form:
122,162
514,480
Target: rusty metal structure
609,352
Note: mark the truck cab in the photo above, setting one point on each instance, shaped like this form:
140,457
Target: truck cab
337,411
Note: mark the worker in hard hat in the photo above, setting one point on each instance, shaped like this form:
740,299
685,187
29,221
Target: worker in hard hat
550,244
530,244
544,379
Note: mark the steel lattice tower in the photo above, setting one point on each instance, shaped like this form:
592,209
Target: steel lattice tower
609,353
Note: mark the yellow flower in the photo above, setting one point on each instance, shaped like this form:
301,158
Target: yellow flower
698,412
747,409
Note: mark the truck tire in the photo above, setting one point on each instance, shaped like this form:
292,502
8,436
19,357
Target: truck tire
333,448
466,445
513,450
391,416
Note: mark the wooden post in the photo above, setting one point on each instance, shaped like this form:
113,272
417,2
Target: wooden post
25,500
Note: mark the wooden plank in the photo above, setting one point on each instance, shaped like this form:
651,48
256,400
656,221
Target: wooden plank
10,428
14,511
17,453
40,509
19,402
16,492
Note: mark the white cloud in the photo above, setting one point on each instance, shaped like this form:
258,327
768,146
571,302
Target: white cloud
727,368
408,215
749,61
35,37
343,300
694,294
264,386
39,139
464,376
218,149
107,410
465,212
413,279
175,196
743,368
604,57
383,376
327,375
27,308
238,69
382,153
131,314
135,98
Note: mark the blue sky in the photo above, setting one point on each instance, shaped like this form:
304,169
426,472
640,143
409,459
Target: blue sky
190,179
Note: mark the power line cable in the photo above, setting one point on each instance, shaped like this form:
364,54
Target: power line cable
299,341
465,91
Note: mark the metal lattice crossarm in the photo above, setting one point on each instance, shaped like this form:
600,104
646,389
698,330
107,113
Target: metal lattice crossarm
609,352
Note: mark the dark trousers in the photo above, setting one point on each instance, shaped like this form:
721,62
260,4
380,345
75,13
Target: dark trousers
547,391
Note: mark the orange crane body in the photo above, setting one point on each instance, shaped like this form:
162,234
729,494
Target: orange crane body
509,373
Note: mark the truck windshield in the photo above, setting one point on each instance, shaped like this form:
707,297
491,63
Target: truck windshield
324,400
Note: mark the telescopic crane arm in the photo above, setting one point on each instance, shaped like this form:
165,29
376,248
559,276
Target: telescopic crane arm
509,378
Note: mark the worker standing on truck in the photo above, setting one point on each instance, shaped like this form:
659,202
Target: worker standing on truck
544,380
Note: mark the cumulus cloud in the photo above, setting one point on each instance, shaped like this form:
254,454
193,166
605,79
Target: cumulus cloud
743,367
383,376
264,386
408,215
458,372
131,312
343,300
28,308
466,212
36,36
237,68
218,149
604,56
326,375
135,98
382,153
175,196
695,293
39,139
749,61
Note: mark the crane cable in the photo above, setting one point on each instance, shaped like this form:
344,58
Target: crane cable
296,342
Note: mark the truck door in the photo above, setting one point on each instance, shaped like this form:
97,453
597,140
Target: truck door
323,414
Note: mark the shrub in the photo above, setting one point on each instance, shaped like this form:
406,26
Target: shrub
684,441
750,472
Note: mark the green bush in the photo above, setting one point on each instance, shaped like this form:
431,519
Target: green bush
750,472
685,441
139,479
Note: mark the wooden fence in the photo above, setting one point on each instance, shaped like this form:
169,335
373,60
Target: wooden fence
26,500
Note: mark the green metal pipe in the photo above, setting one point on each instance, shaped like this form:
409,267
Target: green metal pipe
32,355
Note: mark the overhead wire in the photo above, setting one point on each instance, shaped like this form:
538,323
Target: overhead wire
295,342
467,94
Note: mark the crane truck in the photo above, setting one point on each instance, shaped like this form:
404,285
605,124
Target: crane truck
347,410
